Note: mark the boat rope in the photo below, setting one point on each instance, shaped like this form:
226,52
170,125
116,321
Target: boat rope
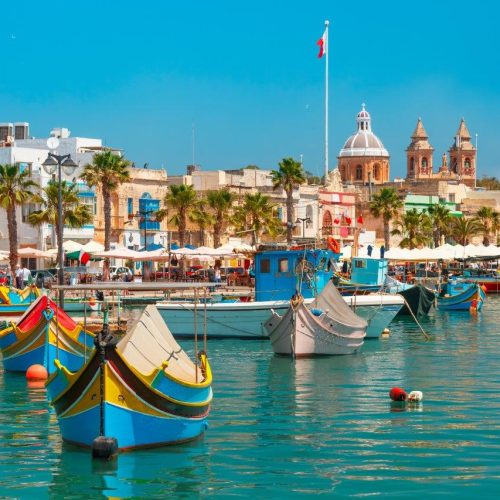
426,335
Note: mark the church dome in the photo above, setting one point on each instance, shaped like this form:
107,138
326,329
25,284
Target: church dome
364,142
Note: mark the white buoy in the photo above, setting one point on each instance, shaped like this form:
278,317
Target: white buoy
415,396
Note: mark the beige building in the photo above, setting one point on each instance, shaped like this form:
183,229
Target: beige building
131,224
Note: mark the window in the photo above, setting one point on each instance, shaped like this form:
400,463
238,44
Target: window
265,266
90,201
130,206
412,166
283,265
376,171
467,164
360,264
424,163
327,223
359,173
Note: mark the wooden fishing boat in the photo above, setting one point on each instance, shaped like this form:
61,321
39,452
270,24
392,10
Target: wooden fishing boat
305,331
141,389
418,298
459,295
42,334
14,301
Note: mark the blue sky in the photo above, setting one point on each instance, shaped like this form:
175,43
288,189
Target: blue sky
139,74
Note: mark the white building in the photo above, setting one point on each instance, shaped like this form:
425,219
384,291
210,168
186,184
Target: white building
16,147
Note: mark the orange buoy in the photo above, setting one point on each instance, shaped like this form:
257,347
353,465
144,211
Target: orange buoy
36,372
92,302
397,394
484,288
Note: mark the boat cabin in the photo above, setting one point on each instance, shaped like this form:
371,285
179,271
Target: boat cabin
368,271
280,273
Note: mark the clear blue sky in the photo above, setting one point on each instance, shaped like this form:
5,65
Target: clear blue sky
139,74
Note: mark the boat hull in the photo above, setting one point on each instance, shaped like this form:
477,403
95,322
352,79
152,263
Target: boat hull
474,294
300,333
246,320
419,301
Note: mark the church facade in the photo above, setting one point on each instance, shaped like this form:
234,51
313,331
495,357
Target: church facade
462,157
363,158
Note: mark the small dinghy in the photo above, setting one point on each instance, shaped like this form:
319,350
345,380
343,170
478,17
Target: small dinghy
315,330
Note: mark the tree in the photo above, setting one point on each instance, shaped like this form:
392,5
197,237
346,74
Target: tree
441,220
256,215
386,204
16,189
180,199
489,183
74,213
490,221
313,179
415,227
463,229
221,203
107,171
202,218
289,177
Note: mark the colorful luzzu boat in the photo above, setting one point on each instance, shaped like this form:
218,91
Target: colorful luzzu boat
14,301
42,334
459,295
141,390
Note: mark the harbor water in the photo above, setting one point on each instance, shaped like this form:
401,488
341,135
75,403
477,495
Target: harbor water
314,426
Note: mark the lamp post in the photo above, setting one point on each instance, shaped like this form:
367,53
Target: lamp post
50,165
303,220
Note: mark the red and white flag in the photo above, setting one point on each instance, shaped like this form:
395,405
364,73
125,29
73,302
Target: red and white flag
322,43
84,257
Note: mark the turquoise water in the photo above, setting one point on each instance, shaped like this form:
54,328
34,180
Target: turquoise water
314,426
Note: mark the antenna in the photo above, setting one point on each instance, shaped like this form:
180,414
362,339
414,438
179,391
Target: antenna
192,139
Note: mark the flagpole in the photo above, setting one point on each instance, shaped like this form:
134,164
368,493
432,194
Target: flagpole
326,100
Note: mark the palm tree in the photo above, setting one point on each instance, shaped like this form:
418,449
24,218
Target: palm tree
107,171
386,204
415,227
490,220
256,215
182,200
74,213
289,176
441,220
15,189
463,229
202,218
220,202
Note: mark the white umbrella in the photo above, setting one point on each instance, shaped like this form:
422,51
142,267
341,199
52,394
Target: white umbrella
71,246
397,254
32,253
92,247
119,253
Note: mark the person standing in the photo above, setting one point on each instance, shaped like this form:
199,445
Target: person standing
26,274
217,275
18,277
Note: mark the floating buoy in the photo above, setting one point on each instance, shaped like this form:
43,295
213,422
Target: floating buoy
36,372
104,447
484,288
415,396
386,331
397,394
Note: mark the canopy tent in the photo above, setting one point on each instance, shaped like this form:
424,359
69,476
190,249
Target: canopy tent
71,246
118,253
481,251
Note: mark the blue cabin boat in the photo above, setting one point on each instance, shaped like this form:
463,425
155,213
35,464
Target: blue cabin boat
459,295
279,273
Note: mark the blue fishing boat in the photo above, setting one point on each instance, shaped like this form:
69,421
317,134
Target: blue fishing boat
42,334
141,390
14,301
459,295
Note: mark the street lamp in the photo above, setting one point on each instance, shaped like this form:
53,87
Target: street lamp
64,162
303,220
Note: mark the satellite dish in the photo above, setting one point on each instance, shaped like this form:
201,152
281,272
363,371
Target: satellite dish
52,142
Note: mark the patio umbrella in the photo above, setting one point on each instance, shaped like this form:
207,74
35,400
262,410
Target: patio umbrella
32,253
119,253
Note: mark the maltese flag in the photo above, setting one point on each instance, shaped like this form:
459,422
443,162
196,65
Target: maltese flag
322,43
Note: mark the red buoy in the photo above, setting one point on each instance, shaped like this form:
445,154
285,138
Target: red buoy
397,394
36,372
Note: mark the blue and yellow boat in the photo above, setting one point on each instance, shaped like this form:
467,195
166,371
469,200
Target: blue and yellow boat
459,295
14,301
141,389
42,334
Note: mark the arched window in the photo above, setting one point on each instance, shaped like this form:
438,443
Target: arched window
359,173
424,163
412,166
309,214
376,172
327,223
342,173
454,166
467,164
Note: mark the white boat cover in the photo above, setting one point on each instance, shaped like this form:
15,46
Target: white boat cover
334,305
149,343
